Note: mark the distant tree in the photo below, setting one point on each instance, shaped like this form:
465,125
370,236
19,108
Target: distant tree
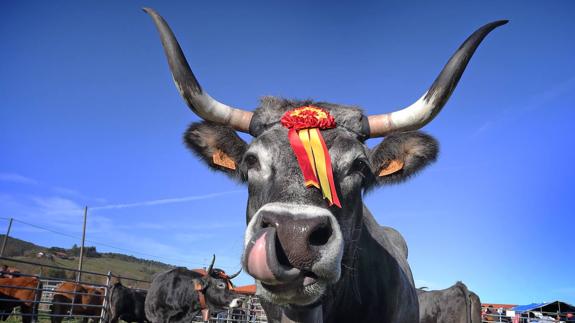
91,252
75,251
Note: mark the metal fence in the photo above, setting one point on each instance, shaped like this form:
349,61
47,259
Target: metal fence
87,300
53,302
250,312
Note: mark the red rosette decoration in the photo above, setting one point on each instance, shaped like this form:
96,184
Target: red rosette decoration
304,124
308,117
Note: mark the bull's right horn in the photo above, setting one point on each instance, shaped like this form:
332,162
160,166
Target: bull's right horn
209,271
200,102
235,275
429,105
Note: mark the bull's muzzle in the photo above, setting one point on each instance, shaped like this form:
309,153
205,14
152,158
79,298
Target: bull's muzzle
293,243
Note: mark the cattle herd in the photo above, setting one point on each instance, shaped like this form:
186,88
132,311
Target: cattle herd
316,252
182,295
177,295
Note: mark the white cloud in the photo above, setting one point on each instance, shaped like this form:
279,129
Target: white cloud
76,194
163,201
57,205
17,178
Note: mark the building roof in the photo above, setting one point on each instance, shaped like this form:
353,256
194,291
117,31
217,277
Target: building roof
550,307
246,290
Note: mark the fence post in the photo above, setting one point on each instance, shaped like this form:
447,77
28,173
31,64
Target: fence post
6,237
104,313
36,304
80,263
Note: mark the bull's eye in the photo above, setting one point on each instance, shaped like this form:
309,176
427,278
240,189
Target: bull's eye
361,167
221,285
251,162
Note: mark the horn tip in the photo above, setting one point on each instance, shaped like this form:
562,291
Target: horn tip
149,10
498,23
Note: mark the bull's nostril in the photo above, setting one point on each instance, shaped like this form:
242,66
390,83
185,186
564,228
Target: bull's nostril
320,236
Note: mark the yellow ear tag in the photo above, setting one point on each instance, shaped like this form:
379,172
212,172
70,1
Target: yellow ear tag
222,159
393,166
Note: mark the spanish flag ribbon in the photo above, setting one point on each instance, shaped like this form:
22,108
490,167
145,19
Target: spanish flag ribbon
311,152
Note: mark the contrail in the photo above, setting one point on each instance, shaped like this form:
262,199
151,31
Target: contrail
163,201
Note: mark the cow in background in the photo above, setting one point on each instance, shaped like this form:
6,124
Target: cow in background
127,304
20,291
455,304
179,295
82,300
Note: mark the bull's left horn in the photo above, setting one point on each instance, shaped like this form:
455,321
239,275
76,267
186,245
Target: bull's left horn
209,271
199,101
429,105
235,275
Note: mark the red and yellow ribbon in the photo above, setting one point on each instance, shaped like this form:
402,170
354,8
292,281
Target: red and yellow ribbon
304,124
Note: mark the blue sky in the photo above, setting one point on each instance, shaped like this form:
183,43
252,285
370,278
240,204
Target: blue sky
89,116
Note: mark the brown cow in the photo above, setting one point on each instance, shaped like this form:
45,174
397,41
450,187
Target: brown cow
20,291
84,300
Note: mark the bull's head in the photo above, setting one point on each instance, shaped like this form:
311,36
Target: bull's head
296,245
217,288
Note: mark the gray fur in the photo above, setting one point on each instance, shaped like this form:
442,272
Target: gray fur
271,110
204,138
415,149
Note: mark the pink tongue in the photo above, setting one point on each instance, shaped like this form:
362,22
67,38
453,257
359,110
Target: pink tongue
257,261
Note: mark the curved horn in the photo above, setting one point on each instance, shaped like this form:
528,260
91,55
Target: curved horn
200,102
429,105
209,271
235,275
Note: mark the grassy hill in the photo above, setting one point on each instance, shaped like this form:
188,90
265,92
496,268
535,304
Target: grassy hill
118,264
17,247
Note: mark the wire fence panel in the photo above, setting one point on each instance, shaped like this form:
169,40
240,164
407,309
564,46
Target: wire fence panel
57,299
53,298
250,312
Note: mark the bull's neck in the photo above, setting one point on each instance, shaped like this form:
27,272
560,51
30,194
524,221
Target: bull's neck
367,274
307,315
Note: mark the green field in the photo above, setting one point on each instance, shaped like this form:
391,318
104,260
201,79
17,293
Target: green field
118,264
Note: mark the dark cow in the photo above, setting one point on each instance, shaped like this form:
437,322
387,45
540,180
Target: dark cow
20,291
319,260
82,300
455,304
179,295
126,304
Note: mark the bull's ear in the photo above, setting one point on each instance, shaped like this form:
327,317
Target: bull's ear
218,146
401,155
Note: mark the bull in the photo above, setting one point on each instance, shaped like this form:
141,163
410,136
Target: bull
455,304
315,250
24,292
179,295
127,304
77,300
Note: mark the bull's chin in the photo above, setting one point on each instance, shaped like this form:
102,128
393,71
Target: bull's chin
298,292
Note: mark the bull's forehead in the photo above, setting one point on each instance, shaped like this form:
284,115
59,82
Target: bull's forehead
275,154
271,110
279,178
